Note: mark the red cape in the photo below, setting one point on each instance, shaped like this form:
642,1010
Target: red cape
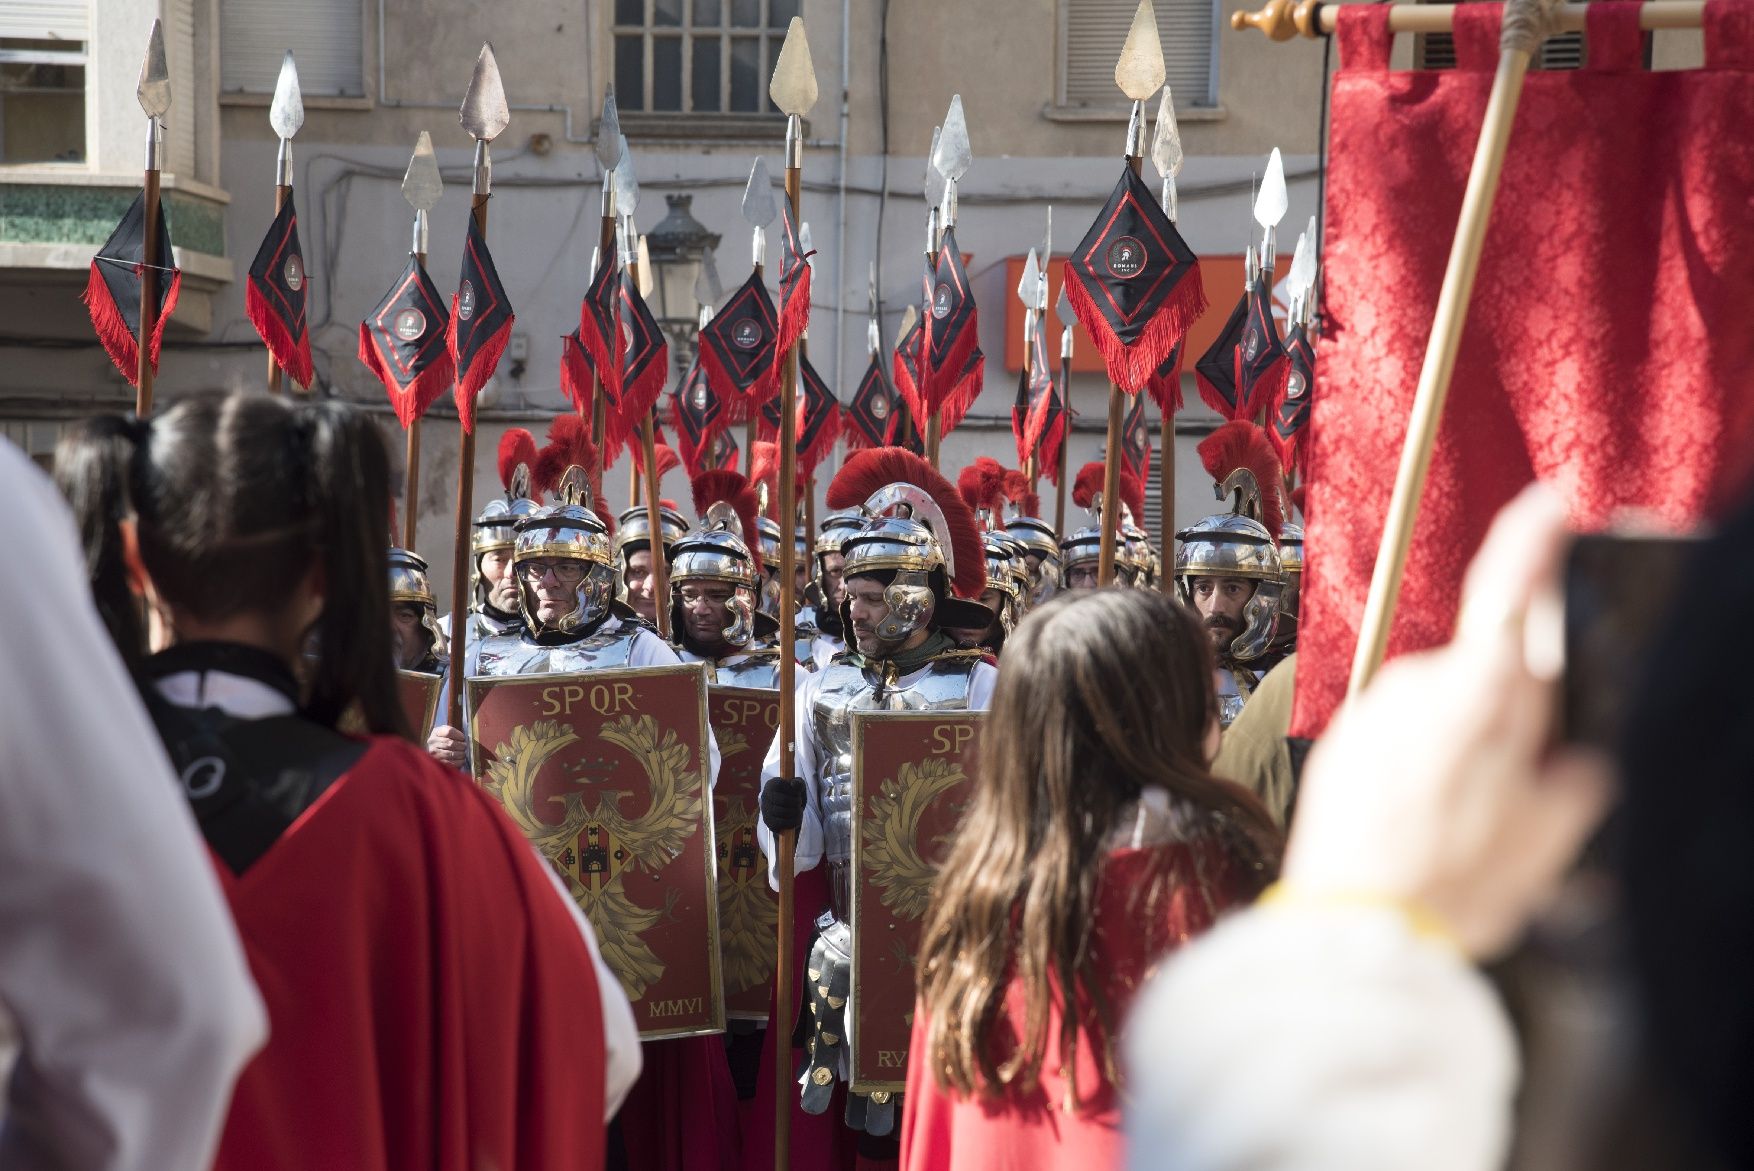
1019,1131
432,1004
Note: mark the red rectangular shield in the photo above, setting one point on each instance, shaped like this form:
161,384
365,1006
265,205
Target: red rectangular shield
744,719
606,773
911,779
420,695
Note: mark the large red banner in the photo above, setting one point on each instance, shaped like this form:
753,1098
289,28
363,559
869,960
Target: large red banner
911,779
606,774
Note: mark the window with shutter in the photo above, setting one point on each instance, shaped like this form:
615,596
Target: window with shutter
695,57
1092,32
42,80
327,39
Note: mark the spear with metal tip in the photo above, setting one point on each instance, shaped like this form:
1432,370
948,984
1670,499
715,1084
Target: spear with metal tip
421,187
1029,292
610,144
635,258
1139,73
484,115
1068,319
793,90
951,158
285,114
154,92
1166,156
760,209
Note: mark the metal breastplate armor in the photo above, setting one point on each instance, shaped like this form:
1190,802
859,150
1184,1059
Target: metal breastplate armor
513,654
757,669
1235,685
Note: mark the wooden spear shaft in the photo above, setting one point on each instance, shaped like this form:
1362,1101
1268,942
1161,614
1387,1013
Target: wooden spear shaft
787,843
461,560
1111,457
1166,499
1065,440
1523,31
649,449
148,292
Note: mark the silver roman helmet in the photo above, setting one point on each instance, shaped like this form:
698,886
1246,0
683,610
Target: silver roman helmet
769,540
1290,599
1008,574
494,527
1239,543
917,525
569,533
634,527
411,585
1037,538
717,550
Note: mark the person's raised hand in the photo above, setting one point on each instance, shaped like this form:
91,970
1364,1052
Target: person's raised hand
1439,789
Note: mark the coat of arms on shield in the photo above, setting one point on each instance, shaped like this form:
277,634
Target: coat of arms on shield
743,719
606,772
911,779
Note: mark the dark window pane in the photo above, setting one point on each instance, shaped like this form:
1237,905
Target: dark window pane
746,88
706,13
706,74
780,12
746,13
630,72
666,73
667,12
630,11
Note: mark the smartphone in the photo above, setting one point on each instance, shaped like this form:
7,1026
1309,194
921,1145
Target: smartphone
1619,594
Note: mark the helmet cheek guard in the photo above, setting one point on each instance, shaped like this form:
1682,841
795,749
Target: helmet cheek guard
910,601
1260,621
740,608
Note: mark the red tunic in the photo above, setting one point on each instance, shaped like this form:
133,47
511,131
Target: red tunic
1018,1131
432,1005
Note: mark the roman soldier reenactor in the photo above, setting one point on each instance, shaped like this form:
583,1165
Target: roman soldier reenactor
1002,596
633,554
917,550
819,625
414,623
1228,567
715,582
493,608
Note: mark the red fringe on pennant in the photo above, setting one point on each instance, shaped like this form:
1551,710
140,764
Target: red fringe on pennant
576,376
472,379
906,387
1166,389
940,389
1268,389
1131,366
810,458
794,315
112,330
293,355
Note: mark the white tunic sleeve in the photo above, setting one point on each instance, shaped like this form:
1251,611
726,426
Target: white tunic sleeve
1306,1038
118,959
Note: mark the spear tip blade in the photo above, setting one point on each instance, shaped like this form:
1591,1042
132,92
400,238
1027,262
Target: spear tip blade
934,177
907,323
1063,309
287,112
707,289
626,182
154,90
485,113
1028,282
951,155
793,85
1140,71
1166,139
759,205
1270,203
423,184
609,132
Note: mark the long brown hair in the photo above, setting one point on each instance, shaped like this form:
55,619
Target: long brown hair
1100,695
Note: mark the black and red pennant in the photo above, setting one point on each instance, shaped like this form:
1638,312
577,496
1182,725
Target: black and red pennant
1020,417
1215,372
1260,358
795,274
402,341
950,332
577,371
697,415
597,325
645,355
1135,284
1048,422
871,414
1165,385
819,421
481,323
112,291
1290,418
739,349
1136,441
905,433
274,296
906,367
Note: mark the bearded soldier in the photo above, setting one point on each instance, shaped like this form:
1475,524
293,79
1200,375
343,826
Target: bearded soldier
919,542
1228,566
494,607
633,555
414,624
714,582
819,625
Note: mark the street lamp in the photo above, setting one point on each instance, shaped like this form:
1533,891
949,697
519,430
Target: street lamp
676,246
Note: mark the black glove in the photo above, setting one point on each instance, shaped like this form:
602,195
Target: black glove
782,804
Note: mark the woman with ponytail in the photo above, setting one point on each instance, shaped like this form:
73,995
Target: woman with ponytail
434,1000
1096,841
